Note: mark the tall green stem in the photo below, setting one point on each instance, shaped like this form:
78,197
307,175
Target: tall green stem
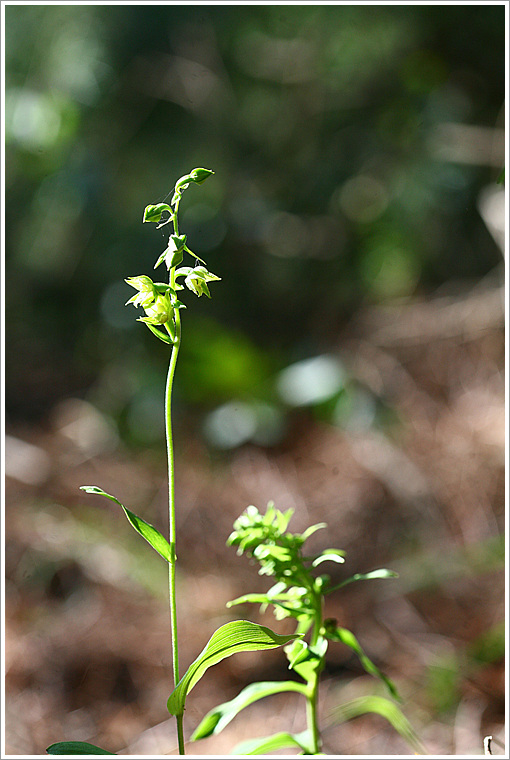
313,682
171,500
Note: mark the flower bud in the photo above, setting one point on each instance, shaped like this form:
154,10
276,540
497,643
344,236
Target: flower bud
174,253
200,175
155,212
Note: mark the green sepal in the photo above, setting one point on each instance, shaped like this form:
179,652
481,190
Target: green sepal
220,716
346,637
76,748
231,638
163,287
147,531
153,213
183,271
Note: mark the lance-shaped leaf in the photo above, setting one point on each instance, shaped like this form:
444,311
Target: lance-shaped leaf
382,573
346,637
220,716
231,638
147,531
330,555
162,336
311,530
385,709
277,741
76,748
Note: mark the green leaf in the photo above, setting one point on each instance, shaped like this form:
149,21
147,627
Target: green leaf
382,573
147,531
385,709
76,748
270,743
220,716
250,598
231,638
153,213
346,637
165,338
312,529
161,258
265,599
330,555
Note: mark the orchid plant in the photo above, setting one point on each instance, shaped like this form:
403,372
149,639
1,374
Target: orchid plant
298,591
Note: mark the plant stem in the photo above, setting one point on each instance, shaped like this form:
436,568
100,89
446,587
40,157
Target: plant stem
171,501
313,683
311,712
171,521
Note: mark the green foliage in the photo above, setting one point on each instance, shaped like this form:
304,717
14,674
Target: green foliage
443,685
220,716
297,593
336,633
76,748
280,740
147,531
231,638
387,710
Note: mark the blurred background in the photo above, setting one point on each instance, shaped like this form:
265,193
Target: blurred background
349,364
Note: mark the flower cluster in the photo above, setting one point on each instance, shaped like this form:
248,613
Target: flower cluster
159,300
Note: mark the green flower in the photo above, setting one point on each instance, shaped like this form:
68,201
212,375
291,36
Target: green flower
146,290
197,280
159,312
